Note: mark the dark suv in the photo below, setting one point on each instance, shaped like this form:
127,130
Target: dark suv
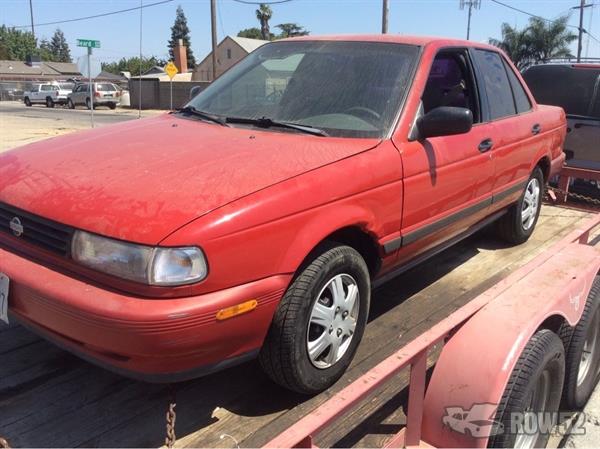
576,88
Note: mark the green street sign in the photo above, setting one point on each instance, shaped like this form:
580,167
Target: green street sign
89,43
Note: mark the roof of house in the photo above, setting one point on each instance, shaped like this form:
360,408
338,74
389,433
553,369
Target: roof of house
64,68
247,44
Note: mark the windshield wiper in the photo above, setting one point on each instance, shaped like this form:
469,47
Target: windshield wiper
265,122
203,115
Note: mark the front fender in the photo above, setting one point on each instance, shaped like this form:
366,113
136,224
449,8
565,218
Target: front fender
477,361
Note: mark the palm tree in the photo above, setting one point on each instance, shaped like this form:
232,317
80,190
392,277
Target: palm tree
540,41
515,44
263,14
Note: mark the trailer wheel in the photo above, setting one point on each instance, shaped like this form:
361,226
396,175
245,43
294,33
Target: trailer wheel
582,348
535,385
319,322
517,225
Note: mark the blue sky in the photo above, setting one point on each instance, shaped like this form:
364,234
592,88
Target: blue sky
119,34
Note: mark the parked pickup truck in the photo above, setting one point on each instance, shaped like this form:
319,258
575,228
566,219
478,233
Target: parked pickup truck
48,94
256,220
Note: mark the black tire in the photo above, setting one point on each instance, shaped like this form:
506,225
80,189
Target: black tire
27,102
544,353
88,103
576,392
510,227
49,102
112,105
70,104
284,356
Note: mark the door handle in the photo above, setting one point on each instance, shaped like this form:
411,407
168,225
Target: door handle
536,129
486,145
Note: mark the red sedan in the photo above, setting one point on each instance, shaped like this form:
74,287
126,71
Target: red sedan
256,220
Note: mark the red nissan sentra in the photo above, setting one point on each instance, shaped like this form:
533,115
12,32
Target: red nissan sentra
256,220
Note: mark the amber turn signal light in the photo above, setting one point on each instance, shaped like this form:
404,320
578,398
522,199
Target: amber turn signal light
236,310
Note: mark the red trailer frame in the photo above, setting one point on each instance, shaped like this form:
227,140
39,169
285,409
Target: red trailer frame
487,335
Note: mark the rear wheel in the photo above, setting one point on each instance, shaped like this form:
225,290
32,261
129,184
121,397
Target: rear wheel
27,102
534,389
582,347
112,105
319,322
519,222
88,103
70,104
49,102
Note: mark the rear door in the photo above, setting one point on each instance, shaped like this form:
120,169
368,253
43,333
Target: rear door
516,132
448,179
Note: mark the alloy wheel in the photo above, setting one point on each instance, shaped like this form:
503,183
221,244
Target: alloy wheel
531,203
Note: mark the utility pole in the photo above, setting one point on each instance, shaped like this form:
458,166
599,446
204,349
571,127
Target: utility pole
470,4
213,25
581,29
31,13
384,19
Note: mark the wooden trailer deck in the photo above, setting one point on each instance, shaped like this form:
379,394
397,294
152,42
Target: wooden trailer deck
49,398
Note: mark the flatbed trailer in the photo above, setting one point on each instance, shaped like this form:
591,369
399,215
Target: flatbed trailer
52,399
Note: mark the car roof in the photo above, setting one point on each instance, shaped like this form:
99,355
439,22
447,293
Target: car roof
569,65
395,38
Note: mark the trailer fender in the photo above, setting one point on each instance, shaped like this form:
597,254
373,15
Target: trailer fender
477,360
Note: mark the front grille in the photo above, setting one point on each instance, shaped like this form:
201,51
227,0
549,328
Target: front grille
38,231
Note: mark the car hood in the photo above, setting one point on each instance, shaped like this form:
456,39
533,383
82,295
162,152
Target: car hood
141,180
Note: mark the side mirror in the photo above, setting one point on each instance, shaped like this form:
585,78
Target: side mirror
195,91
445,121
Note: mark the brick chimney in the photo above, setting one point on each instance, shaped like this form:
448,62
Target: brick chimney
180,52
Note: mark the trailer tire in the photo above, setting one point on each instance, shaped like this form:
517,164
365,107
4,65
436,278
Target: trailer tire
582,373
284,355
512,226
541,365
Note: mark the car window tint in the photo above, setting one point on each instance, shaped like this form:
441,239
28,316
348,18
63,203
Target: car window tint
46,87
495,82
105,87
521,98
574,92
450,83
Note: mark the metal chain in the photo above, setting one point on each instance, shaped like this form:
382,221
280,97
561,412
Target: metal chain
171,417
4,444
587,199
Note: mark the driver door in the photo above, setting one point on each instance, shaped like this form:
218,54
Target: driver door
447,180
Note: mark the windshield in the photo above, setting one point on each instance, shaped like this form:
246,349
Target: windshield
347,89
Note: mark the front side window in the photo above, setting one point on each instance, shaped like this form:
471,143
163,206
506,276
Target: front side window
496,84
347,89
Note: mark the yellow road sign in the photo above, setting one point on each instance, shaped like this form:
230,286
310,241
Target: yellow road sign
171,69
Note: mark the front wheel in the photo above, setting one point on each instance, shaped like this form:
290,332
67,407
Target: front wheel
27,102
519,222
319,322
70,104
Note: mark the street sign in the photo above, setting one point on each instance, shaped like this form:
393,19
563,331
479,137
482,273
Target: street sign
89,43
95,66
171,70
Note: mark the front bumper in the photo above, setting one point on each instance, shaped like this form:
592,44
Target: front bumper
151,339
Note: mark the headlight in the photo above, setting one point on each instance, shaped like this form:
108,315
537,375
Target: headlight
139,263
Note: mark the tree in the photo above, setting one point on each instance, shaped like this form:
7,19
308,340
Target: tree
539,41
17,44
132,65
291,30
180,30
59,48
250,33
264,14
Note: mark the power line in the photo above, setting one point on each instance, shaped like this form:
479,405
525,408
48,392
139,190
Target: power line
97,15
543,18
274,2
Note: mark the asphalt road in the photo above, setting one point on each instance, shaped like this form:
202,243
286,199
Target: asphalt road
74,117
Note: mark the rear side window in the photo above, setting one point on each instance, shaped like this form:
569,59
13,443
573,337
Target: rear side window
521,99
495,83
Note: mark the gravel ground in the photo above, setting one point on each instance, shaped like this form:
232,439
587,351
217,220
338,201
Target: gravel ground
20,125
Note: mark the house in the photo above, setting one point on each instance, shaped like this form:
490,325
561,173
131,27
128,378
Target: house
229,52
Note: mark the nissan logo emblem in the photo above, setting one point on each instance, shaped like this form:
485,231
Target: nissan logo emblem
16,227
